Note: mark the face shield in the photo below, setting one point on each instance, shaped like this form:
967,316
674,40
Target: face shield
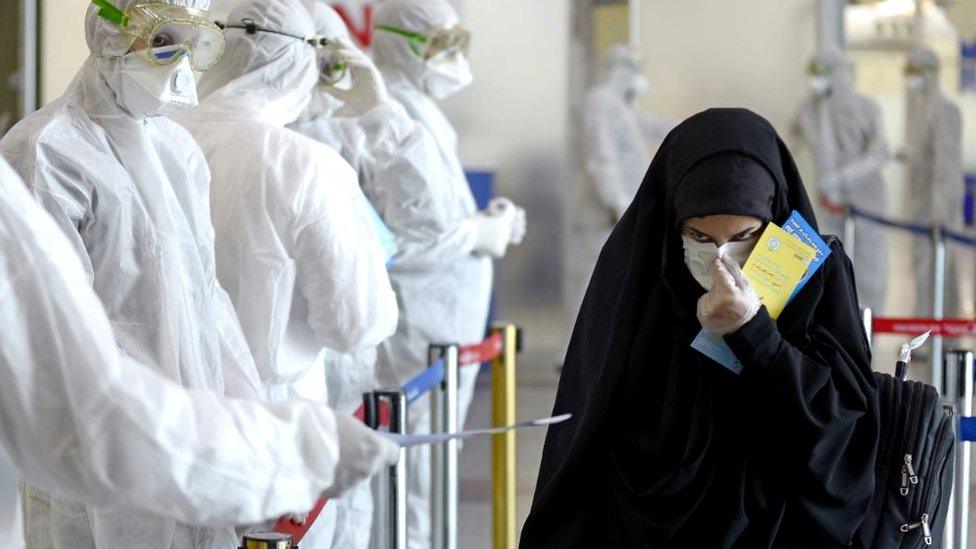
163,34
436,42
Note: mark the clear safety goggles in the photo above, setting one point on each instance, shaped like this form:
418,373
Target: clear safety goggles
915,69
168,32
436,41
333,65
816,68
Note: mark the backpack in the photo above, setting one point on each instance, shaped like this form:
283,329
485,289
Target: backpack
914,467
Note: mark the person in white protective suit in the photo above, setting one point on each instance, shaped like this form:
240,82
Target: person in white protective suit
128,187
935,179
845,133
443,272
616,147
352,112
88,424
297,248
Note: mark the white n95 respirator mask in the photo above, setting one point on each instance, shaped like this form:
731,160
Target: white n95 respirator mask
700,257
447,74
147,90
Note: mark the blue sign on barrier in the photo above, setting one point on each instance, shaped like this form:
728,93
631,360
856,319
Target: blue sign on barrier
427,380
967,429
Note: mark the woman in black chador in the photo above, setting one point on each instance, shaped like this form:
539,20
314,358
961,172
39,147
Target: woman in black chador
667,448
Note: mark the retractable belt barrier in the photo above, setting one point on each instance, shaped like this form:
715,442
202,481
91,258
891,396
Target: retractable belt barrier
939,237
488,350
917,229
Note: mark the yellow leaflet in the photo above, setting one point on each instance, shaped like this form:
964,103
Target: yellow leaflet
776,266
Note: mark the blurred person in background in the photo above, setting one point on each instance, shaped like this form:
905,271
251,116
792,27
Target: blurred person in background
845,133
617,144
443,272
935,180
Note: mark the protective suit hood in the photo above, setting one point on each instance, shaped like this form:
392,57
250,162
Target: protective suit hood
392,53
265,73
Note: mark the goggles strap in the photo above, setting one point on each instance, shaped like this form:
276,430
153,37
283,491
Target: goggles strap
250,27
107,11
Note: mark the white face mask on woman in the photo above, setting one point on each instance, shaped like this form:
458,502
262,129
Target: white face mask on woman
147,90
700,257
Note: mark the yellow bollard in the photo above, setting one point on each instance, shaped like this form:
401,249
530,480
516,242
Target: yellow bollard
503,455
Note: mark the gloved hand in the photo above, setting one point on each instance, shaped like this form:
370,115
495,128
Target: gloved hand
501,205
368,88
830,183
731,303
362,454
493,233
298,518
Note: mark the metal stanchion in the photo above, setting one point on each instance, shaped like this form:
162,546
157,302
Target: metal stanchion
867,318
444,457
849,234
959,393
503,456
938,303
392,510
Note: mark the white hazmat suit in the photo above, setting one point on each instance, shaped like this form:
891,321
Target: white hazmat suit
616,147
845,133
87,424
442,273
383,144
130,192
935,177
296,249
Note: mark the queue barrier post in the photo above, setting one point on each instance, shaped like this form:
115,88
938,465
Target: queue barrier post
867,318
444,457
959,394
938,304
503,446
392,507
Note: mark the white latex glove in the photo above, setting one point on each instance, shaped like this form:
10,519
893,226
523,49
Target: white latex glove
362,454
500,206
731,303
298,518
368,88
492,233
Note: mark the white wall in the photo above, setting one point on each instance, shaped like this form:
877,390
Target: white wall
513,119
63,49
711,53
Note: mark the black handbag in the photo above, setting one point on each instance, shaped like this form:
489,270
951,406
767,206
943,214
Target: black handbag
914,468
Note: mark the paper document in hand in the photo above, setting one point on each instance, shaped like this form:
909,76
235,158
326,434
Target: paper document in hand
776,267
779,265
409,441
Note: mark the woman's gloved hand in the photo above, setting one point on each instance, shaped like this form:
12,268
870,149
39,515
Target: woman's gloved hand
500,206
368,88
731,303
362,454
